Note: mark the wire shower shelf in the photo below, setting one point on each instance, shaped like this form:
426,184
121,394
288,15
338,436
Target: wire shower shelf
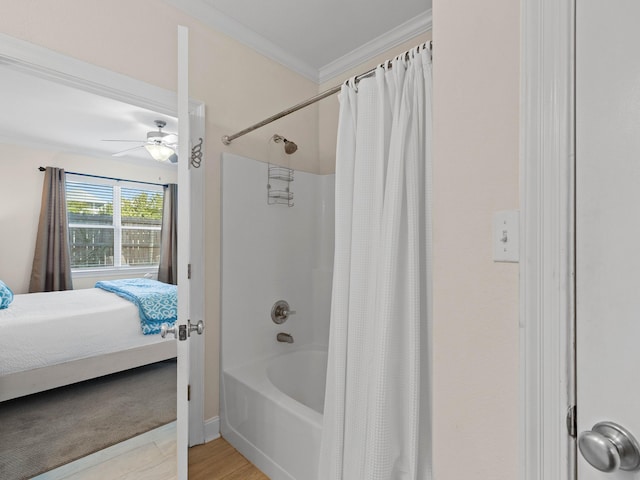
278,186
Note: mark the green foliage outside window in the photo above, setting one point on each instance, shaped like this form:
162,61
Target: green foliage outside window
92,229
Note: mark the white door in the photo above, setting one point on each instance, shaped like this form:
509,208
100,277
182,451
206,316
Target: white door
607,236
183,256
190,251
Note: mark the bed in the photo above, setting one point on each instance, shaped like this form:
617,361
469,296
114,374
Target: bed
48,340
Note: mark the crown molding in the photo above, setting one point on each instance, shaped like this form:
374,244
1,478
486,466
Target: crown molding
419,24
215,19
221,22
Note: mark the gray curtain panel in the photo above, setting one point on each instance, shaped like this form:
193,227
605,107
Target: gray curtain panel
168,268
51,269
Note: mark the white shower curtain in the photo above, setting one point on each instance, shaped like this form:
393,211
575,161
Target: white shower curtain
377,416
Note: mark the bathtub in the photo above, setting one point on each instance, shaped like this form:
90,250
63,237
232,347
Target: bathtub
272,412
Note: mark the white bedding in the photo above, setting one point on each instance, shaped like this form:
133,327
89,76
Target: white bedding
42,329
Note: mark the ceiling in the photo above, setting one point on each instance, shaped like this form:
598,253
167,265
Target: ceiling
316,38
51,115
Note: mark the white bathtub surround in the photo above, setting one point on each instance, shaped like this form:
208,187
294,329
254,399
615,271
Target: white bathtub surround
377,410
272,392
270,253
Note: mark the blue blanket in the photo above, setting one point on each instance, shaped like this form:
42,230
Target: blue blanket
157,302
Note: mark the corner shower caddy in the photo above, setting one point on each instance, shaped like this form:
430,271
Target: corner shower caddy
278,185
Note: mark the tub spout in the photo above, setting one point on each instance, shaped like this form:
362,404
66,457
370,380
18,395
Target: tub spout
284,337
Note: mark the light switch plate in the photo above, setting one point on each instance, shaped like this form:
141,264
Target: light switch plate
506,236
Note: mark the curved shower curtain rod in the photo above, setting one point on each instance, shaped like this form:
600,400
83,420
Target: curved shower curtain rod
227,139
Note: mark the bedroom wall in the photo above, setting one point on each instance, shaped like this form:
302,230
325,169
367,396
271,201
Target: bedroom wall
20,197
238,86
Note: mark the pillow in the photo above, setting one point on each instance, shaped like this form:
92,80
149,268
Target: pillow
6,295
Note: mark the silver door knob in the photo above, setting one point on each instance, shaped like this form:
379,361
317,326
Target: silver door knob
609,447
165,329
196,327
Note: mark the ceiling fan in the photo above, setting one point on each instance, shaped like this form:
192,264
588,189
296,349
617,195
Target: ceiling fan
160,145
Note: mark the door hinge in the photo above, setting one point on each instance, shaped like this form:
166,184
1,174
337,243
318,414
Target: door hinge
189,271
188,393
572,421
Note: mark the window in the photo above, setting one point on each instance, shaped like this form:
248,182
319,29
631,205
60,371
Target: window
114,226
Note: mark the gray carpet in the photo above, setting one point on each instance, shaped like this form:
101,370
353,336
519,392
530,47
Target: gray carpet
43,431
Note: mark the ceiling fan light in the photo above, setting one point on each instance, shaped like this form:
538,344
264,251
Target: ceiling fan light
159,152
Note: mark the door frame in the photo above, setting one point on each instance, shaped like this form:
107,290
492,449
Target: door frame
547,265
50,65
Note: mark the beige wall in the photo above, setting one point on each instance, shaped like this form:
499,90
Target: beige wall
238,86
476,109
21,193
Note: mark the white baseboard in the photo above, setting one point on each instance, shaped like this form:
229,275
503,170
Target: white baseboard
211,429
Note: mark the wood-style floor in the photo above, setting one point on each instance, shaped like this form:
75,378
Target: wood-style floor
217,460
152,456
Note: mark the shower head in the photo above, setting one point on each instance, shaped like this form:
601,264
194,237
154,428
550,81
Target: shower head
289,146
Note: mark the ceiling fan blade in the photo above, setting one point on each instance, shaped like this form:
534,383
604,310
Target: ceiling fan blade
122,141
124,152
170,138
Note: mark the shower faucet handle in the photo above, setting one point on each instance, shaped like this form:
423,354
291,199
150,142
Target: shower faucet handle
280,312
